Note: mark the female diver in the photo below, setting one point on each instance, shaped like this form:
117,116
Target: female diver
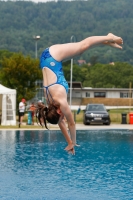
56,87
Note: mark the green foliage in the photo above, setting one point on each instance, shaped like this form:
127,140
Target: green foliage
56,22
20,73
118,75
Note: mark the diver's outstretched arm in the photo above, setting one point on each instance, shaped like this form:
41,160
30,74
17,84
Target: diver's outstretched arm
70,147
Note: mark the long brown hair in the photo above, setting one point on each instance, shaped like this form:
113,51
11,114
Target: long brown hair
47,114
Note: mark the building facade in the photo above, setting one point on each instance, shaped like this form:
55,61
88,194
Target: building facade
83,95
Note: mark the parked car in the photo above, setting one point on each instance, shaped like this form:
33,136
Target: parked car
96,113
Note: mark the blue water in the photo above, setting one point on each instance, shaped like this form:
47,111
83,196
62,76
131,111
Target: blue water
34,166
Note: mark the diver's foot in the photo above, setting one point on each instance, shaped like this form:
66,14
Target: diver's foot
113,44
115,39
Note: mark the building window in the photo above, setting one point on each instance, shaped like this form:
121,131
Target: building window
87,94
125,95
99,94
39,83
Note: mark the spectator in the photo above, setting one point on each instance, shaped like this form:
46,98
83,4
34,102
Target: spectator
21,110
32,109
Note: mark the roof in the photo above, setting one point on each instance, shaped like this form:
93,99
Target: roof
82,61
75,84
5,90
106,89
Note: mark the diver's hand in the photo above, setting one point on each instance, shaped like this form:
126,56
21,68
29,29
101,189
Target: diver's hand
70,149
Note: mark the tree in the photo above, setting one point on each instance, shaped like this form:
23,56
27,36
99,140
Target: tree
20,73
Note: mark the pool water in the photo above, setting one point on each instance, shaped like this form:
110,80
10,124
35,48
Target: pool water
34,166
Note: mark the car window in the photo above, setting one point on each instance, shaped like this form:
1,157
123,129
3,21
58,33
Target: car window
95,108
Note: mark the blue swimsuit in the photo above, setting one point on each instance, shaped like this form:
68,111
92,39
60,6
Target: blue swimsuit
48,61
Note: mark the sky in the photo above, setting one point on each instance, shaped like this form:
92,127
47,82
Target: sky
47,0
43,1
37,1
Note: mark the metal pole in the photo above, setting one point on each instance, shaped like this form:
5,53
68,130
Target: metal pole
37,37
35,48
71,82
72,37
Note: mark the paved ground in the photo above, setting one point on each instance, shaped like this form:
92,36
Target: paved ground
112,126
90,127
78,127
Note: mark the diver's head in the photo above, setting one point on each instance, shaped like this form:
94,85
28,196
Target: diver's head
50,114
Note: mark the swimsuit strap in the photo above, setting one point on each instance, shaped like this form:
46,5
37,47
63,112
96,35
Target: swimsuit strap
48,92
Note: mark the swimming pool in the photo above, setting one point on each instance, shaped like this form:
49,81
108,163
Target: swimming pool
34,166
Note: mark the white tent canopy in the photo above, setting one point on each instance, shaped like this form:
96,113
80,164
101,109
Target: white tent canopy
7,106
